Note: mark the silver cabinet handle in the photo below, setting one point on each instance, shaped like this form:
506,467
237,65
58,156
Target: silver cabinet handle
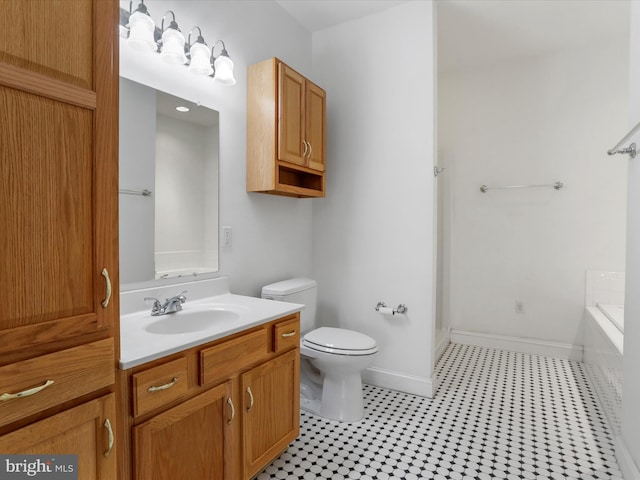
105,274
304,154
250,398
233,410
107,425
290,334
25,393
310,150
163,387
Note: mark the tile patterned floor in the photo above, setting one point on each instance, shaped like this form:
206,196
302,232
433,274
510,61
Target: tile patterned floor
496,415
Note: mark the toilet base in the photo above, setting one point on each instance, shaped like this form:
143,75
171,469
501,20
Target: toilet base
342,397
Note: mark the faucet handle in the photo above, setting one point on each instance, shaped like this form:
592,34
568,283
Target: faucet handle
156,305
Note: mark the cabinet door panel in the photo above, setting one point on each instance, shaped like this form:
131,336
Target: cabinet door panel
187,441
45,202
58,171
291,134
80,431
272,409
54,38
315,124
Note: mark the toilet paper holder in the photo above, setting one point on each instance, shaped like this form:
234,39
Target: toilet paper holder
402,308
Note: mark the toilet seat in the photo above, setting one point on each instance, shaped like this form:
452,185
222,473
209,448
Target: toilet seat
339,341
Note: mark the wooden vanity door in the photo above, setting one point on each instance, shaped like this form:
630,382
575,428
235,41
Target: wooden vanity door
271,409
58,172
189,441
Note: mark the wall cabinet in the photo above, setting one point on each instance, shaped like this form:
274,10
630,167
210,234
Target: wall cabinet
58,204
222,410
286,131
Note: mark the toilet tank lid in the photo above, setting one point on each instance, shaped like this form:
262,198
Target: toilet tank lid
287,287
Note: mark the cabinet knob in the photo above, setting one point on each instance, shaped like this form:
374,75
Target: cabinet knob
107,426
250,398
105,274
163,387
25,393
233,410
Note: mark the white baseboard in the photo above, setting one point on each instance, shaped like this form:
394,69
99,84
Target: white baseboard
627,466
442,343
424,387
516,344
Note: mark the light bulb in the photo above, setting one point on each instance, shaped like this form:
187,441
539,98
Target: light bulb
200,59
224,71
141,29
173,47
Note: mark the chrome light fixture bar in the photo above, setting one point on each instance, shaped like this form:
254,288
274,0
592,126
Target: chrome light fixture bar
141,33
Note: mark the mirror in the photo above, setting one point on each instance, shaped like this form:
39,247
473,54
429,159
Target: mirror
168,202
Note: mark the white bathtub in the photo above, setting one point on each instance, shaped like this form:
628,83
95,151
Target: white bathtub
603,349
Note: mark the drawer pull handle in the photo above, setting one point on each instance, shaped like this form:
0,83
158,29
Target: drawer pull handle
107,425
163,387
233,410
250,398
290,334
105,274
25,393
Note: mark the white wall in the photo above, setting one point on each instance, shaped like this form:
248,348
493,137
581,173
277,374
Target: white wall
373,233
536,120
628,450
271,235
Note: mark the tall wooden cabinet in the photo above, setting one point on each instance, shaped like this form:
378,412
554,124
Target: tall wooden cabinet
59,235
286,131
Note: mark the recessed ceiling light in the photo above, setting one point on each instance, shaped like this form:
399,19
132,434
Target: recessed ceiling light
182,108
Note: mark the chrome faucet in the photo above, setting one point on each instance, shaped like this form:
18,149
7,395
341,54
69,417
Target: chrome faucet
171,305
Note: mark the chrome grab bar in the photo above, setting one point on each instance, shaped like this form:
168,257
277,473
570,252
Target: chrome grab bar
144,193
631,149
557,186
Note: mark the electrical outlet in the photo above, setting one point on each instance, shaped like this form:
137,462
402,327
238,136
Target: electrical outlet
519,306
226,236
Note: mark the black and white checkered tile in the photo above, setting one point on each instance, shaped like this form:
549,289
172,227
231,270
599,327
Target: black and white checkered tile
496,415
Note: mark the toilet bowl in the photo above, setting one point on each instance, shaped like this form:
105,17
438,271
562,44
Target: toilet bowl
340,356
332,359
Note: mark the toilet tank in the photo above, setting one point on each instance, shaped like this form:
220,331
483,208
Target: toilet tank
296,290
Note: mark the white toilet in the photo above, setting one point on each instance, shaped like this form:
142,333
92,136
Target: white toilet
332,359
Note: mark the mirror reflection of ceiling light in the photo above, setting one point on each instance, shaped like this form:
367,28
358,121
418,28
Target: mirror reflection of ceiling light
142,34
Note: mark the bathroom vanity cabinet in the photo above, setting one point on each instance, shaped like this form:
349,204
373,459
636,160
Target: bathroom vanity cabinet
58,204
286,131
222,410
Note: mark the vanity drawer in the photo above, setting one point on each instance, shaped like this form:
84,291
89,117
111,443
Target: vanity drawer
159,385
34,385
286,335
219,361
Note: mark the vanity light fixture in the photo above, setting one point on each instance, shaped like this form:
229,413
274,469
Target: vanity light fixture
141,33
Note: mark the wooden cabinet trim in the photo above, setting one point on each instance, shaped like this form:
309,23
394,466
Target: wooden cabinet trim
44,86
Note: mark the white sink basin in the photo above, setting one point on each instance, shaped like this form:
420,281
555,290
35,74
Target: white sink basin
195,319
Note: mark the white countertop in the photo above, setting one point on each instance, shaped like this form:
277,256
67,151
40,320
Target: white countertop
138,346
